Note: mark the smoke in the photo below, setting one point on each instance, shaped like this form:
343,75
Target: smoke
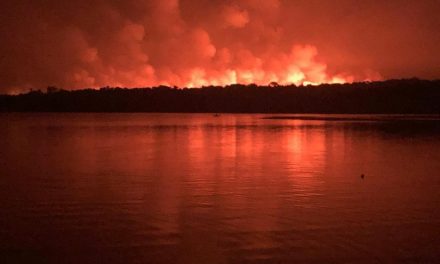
191,43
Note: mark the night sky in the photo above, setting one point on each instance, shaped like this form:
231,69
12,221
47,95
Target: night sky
138,43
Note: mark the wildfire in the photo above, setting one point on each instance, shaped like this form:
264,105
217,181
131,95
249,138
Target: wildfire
300,67
159,43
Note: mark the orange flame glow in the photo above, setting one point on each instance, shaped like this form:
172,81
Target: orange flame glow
300,67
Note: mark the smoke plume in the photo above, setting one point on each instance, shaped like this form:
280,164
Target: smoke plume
192,43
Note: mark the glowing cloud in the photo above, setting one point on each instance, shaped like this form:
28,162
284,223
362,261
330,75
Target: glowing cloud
186,43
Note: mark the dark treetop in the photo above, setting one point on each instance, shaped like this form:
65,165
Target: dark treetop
409,96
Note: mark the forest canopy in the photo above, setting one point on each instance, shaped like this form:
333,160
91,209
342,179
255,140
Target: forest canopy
408,96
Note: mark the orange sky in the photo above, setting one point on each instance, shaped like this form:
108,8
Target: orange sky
138,43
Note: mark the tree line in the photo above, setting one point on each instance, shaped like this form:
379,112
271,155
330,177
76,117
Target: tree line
407,96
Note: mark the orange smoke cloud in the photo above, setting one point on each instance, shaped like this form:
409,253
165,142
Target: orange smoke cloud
185,43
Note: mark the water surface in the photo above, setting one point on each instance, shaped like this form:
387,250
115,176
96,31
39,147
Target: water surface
195,188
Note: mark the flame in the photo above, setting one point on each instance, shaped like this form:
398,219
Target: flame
300,67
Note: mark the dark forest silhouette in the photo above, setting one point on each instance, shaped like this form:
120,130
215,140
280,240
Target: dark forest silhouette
409,96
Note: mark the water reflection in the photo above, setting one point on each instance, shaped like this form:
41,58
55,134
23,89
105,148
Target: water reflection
306,150
198,189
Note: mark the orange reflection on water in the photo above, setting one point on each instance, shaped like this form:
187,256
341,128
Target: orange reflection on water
233,188
305,151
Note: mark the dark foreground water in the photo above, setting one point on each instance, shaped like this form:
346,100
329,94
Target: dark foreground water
195,188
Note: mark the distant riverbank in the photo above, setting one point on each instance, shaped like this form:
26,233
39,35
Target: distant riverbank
410,96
